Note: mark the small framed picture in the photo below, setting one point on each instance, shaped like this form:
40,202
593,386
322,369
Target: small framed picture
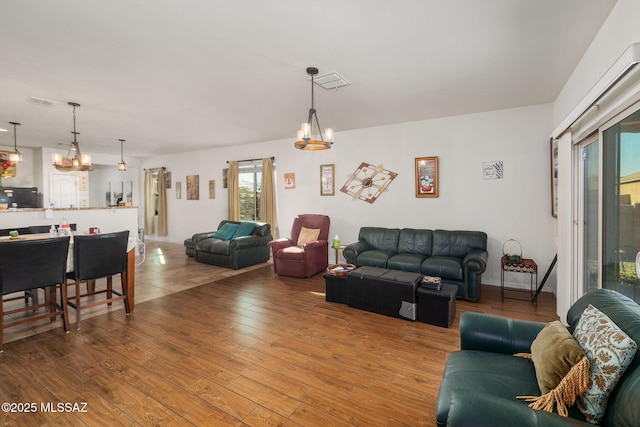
212,188
178,190
492,170
289,181
427,177
193,187
327,182
167,180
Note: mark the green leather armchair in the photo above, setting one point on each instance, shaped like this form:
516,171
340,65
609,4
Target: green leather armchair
482,380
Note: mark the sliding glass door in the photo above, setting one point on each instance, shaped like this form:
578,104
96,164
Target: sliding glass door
621,205
607,219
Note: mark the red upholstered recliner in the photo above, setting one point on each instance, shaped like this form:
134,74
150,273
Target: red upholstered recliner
296,257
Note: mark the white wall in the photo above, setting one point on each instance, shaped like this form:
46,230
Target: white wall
517,206
615,36
619,31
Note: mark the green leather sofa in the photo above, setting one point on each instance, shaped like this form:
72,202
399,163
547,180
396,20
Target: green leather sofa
235,252
482,380
458,257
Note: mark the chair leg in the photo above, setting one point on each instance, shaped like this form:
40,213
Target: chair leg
77,297
50,294
109,289
1,322
125,291
63,303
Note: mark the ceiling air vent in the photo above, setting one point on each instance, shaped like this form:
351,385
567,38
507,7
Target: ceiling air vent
331,81
41,101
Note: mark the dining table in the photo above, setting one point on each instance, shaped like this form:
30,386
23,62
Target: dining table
130,264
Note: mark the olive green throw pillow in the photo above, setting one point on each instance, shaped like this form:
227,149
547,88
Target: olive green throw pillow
554,352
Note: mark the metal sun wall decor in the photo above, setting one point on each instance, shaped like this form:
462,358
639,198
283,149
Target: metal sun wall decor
367,182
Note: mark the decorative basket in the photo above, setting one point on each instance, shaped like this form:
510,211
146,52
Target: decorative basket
512,257
340,269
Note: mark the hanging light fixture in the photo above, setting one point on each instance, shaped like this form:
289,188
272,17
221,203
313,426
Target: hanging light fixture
122,166
78,162
16,156
305,134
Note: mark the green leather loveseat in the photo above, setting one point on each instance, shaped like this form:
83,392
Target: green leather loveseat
482,380
457,257
232,250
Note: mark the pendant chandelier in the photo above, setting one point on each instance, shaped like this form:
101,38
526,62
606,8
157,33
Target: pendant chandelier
305,134
122,166
78,162
15,156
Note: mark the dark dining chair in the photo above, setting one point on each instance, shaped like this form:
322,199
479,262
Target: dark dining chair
97,256
32,264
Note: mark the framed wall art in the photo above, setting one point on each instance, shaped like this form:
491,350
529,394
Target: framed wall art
289,181
7,168
167,180
554,177
427,177
492,170
178,190
327,182
212,188
193,187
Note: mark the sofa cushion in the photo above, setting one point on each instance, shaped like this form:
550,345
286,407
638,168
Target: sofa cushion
610,352
214,246
308,235
554,352
482,372
406,262
412,241
374,258
245,228
449,268
457,243
383,239
227,231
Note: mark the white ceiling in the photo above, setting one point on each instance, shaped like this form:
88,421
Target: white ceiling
185,75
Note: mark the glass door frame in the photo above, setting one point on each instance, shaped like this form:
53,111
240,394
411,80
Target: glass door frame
579,216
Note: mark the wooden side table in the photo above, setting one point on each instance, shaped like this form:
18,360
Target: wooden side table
526,265
338,249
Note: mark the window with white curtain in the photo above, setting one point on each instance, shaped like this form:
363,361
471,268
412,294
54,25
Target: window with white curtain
250,187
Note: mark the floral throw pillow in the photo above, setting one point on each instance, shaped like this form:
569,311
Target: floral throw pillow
610,351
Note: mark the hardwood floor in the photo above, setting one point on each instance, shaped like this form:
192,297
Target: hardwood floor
238,349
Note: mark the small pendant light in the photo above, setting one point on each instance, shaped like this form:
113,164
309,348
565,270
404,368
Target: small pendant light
122,166
16,156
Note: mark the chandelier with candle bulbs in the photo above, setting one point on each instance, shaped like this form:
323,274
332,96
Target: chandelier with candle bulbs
306,137
77,162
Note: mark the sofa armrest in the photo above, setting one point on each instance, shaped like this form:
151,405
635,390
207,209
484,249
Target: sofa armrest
350,252
469,408
278,244
475,261
484,332
316,244
201,236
